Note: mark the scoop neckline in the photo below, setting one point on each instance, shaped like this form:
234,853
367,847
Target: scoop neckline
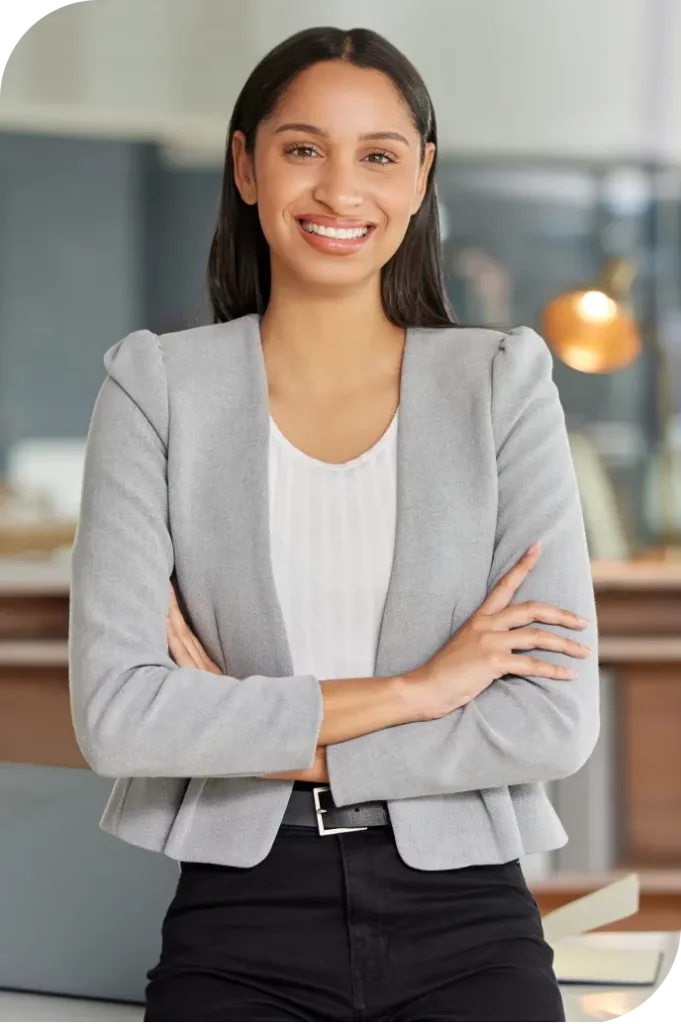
336,466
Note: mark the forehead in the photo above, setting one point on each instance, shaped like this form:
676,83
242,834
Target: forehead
342,98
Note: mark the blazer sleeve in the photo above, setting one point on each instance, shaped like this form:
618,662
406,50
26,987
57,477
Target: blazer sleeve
135,712
521,729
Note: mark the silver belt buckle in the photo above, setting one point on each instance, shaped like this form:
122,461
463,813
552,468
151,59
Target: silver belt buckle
320,811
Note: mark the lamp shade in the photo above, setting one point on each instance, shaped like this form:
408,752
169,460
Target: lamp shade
591,328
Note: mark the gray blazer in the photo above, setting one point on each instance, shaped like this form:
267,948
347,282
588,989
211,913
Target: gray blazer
176,482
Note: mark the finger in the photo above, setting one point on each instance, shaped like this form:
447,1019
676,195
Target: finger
189,639
181,649
211,667
521,665
544,639
177,649
199,646
205,662
500,595
185,634
535,611
195,647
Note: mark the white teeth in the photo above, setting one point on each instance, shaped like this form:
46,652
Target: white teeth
322,229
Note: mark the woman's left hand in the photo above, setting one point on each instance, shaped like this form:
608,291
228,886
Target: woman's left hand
187,650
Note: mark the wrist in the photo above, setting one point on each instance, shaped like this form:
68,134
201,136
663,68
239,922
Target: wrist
411,697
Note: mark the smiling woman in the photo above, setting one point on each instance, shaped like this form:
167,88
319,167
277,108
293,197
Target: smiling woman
339,729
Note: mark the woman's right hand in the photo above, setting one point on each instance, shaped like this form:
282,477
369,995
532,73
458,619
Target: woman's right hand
482,649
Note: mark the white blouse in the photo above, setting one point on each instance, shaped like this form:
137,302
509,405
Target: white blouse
332,533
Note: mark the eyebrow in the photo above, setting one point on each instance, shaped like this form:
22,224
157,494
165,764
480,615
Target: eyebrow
311,129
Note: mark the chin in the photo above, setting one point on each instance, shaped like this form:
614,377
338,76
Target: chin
338,272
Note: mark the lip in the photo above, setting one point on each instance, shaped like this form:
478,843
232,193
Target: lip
335,246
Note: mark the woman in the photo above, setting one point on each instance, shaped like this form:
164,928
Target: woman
334,721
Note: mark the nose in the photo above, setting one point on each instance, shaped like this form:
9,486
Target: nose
337,187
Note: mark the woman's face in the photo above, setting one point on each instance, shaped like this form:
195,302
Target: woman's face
336,175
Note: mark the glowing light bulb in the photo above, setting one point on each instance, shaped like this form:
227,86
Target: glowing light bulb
596,307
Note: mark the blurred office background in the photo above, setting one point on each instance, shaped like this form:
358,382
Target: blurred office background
560,147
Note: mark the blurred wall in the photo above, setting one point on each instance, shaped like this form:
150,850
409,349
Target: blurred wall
97,238
69,277
536,76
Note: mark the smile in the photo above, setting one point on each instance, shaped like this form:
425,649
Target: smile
335,239
329,232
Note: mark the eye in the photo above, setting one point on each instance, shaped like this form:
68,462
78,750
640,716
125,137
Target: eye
381,156
301,149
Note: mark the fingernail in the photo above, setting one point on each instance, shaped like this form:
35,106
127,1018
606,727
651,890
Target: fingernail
533,548
580,618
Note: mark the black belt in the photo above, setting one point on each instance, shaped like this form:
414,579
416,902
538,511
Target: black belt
313,806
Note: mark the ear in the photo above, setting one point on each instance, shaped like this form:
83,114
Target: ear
244,176
424,173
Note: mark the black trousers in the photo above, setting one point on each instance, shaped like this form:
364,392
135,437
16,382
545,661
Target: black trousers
339,928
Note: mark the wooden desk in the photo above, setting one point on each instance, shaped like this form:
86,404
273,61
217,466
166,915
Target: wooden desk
35,717
639,615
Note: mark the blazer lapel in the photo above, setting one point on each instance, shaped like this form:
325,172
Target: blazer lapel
252,632
433,518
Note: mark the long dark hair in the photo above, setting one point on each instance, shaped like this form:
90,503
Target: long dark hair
412,282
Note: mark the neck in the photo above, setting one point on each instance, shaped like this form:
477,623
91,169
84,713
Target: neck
322,342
